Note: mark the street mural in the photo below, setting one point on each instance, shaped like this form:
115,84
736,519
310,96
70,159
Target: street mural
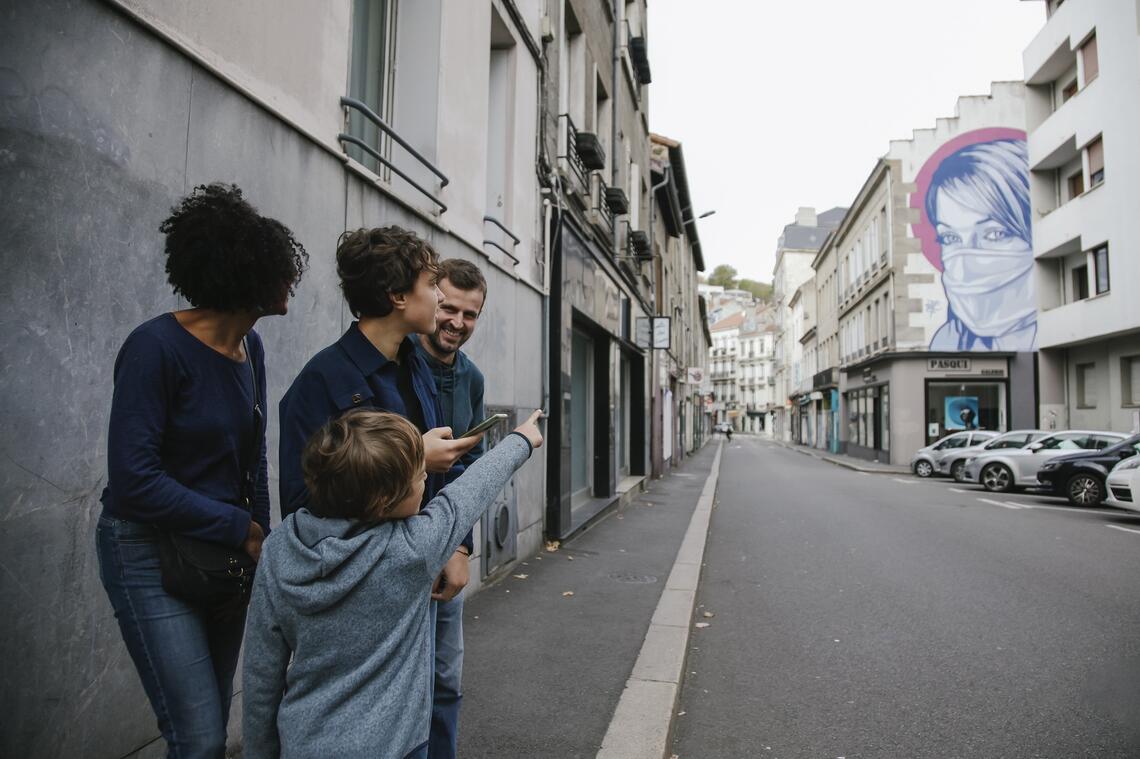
972,195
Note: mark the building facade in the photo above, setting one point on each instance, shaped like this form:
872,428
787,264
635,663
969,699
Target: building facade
595,129
1083,115
795,251
937,315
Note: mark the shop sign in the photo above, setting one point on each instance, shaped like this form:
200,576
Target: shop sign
653,332
695,375
817,396
948,365
993,372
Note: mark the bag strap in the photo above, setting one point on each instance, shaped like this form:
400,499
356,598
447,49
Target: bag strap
259,419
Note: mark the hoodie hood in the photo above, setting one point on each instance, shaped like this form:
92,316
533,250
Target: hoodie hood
319,562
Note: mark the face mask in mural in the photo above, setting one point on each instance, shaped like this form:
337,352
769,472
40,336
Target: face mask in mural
977,205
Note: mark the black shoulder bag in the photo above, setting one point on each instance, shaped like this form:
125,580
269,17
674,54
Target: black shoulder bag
209,574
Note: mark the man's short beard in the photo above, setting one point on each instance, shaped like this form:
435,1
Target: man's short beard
434,340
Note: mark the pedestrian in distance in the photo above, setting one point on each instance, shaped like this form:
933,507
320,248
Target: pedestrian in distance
460,386
728,433
339,619
186,456
388,276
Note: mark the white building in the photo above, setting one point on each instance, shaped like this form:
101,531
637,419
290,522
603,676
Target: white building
795,251
1082,72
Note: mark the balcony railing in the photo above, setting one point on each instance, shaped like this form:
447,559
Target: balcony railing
568,156
352,104
600,212
509,233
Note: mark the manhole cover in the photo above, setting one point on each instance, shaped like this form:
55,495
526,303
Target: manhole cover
632,578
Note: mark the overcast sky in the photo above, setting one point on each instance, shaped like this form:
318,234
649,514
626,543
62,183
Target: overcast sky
789,103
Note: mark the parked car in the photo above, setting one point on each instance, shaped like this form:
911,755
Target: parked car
1004,470
955,464
930,460
722,427
1081,477
1123,484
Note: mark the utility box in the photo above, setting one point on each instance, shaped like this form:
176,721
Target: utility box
499,525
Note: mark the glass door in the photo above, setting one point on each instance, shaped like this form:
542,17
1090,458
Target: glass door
581,417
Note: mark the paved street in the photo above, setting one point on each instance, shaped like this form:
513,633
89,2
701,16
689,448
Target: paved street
875,616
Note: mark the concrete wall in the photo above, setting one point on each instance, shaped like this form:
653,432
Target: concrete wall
104,125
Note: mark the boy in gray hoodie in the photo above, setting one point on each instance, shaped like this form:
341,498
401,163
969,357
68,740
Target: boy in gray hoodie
338,641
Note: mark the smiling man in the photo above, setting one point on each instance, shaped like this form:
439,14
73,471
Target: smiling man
460,386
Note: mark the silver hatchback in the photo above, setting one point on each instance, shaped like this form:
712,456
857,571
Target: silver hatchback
938,457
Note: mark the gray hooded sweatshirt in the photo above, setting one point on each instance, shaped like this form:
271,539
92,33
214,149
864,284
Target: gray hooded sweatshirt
338,641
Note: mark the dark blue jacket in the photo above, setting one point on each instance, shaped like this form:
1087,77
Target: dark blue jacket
460,388
350,373
182,435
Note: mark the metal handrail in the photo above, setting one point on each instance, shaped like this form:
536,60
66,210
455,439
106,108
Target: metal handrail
375,119
376,154
510,255
500,225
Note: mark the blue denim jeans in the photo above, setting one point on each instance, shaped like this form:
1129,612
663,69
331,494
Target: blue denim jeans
185,659
447,693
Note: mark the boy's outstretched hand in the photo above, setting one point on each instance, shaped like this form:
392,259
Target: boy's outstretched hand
529,429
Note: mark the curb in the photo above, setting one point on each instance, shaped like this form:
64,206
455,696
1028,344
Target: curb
643,719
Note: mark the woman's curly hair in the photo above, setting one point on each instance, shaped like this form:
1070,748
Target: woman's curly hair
375,263
223,255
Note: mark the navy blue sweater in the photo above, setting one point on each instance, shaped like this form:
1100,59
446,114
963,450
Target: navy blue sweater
182,429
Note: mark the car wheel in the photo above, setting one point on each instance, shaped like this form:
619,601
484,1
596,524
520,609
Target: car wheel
923,468
1084,490
958,471
997,478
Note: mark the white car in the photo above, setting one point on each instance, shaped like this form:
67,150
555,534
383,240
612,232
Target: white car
1002,471
1124,484
955,464
939,457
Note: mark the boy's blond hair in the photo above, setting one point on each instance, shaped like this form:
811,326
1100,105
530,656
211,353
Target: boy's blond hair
362,464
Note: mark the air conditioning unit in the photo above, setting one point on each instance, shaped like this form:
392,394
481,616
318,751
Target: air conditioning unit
639,243
590,150
617,200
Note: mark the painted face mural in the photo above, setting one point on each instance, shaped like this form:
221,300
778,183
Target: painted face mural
974,196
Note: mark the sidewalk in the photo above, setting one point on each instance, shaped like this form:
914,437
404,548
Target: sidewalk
550,648
848,462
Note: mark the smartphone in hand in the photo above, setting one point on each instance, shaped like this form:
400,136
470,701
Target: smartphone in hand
485,425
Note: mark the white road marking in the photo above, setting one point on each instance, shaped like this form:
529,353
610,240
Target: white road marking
1069,509
999,503
905,482
956,490
1124,529
1017,505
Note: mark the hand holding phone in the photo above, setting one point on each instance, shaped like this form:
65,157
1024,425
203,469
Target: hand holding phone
485,425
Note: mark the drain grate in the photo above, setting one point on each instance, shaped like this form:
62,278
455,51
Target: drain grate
632,578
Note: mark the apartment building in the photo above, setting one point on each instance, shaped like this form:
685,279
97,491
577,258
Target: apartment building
1083,114
723,368
680,424
933,286
600,321
795,250
825,380
803,342
511,134
756,382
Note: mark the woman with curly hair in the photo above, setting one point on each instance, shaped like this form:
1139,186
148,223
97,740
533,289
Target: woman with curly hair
186,454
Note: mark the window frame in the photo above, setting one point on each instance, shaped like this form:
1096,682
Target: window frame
1085,383
1099,256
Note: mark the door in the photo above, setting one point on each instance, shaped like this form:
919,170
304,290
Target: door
581,417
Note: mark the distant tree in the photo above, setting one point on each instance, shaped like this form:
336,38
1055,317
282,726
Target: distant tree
723,276
761,290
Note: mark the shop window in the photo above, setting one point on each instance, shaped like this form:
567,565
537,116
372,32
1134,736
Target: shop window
954,406
581,416
1100,264
1090,59
1086,385
1130,380
885,418
1095,152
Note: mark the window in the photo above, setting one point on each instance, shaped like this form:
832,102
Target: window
1130,381
500,121
1076,184
1089,59
1086,385
1095,152
1080,282
370,76
1067,441
1069,91
1100,266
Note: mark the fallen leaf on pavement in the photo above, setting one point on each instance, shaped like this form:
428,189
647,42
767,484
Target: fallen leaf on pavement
552,546
520,577
568,594
699,624
570,558
709,615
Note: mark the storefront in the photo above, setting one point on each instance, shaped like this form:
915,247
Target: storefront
598,432
895,404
